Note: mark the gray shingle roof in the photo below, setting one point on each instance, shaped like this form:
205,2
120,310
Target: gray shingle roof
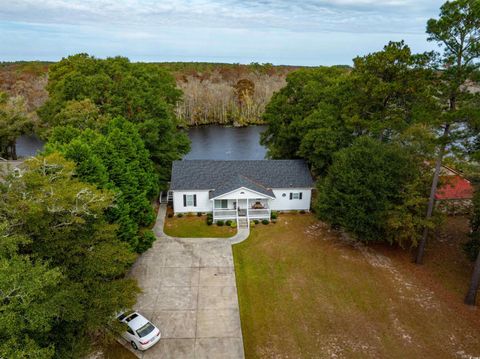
225,176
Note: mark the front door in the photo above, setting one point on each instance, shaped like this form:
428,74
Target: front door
242,207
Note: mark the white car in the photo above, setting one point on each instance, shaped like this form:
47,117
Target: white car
140,332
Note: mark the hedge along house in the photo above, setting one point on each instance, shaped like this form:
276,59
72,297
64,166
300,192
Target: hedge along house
240,190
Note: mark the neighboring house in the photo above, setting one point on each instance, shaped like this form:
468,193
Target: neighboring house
240,190
455,192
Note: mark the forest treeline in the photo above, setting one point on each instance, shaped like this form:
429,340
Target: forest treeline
227,94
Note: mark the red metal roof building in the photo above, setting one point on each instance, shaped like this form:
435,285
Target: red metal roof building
454,186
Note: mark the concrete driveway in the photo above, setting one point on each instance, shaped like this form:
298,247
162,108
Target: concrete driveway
189,292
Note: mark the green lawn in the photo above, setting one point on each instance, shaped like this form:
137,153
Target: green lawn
305,293
196,227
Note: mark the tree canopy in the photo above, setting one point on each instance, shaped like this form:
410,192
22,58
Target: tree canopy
116,159
368,187
61,265
145,94
387,95
285,114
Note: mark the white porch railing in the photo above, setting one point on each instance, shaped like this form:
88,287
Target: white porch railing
259,213
224,214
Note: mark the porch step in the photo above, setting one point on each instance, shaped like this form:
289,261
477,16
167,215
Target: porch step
242,222
166,197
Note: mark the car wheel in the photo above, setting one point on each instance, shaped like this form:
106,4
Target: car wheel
134,346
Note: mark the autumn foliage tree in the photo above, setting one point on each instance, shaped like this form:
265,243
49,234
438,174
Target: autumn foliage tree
14,122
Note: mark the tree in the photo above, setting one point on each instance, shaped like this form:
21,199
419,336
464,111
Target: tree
80,114
31,298
288,108
118,160
386,95
79,259
14,122
144,94
457,30
244,90
325,133
389,91
368,187
474,251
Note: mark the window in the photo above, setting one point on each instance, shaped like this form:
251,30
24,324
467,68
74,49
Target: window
145,330
295,195
189,200
221,204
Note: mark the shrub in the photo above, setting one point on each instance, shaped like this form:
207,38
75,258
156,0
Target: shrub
302,211
233,224
209,221
220,223
256,221
265,221
199,214
274,215
170,215
145,241
180,215
228,222
210,215
252,224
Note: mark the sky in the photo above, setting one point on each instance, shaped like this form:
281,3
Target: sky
288,32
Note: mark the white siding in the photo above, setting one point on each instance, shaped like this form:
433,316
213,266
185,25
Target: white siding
281,203
203,202
241,193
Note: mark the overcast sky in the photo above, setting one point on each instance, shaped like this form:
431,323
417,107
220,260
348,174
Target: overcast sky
306,32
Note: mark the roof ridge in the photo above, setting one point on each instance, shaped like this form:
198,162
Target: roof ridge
253,181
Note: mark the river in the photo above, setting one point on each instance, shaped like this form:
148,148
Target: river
226,143
207,142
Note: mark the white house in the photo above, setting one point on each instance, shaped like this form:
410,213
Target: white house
240,190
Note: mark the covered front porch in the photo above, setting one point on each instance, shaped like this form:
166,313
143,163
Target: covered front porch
244,208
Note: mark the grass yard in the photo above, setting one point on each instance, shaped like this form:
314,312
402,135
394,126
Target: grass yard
305,292
196,227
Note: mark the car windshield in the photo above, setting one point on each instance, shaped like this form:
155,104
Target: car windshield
145,330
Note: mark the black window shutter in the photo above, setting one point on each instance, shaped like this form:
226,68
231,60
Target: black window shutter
184,200
291,195
300,195
194,200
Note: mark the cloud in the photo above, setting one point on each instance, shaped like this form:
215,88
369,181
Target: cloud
349,15
260,30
